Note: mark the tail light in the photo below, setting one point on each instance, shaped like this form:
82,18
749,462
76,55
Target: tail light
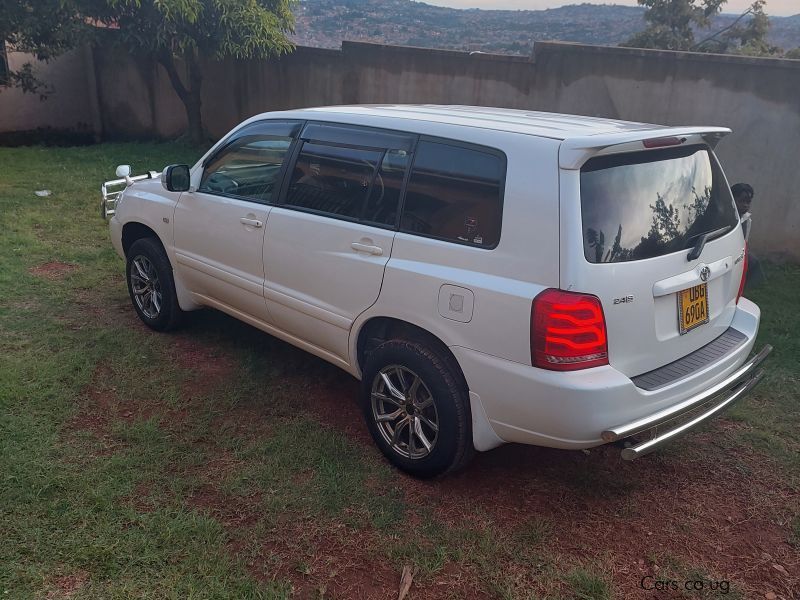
664,142
568,331
744,275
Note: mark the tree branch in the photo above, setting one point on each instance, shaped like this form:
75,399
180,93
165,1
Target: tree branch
721,31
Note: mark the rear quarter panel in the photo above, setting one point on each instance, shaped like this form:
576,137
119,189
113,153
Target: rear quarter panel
503,280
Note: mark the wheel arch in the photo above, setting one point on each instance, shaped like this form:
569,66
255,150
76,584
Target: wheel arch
376,329
379,329
136,230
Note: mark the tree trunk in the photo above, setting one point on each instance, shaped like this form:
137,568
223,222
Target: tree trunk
194,117
189,93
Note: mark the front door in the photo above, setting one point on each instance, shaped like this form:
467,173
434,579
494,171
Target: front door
219,228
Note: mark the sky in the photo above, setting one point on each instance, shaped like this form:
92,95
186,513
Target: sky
783,8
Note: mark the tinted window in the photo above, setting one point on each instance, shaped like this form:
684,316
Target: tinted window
454,193
646,204
333,179
384,198
247,168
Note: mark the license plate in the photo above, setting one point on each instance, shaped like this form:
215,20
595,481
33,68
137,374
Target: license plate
692,307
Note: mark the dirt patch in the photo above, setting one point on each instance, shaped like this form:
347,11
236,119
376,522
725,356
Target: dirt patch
333,560
721,516
335,404
99,407
719,510
208,365
233,512
53,270
104,311
141,498
636,518
67,585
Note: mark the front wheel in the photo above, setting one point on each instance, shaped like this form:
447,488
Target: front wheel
416,408
151,285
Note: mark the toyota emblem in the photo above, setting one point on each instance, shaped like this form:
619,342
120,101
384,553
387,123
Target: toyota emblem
705,273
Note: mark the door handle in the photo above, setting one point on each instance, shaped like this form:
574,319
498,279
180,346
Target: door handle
251,222
374,250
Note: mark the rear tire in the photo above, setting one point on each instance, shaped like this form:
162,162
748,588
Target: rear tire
417,409
151,285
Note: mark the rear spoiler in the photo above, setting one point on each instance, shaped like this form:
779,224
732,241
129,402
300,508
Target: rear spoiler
576,151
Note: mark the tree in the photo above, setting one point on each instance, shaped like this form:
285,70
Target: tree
44,28
749,39
181,34
795,54
671,23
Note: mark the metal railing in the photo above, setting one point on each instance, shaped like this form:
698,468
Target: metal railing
112,190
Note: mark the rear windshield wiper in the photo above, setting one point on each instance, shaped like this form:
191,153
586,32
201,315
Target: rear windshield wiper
697,249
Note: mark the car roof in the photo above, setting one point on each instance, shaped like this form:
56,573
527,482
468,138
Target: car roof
543,124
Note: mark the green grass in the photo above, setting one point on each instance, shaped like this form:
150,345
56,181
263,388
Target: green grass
794,536
125,472
772,414
693,581
588,585
63,499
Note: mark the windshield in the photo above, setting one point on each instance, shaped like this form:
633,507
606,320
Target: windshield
646,204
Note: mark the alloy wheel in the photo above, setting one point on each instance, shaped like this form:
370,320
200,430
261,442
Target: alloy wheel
146,286
404,411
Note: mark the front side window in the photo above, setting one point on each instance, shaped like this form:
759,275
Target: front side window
455,193
648,204
250,165
336,180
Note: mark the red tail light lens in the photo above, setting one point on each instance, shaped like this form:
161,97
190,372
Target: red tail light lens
744,275
664,142
568,331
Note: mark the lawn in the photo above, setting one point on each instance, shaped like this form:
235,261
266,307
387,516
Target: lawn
218,462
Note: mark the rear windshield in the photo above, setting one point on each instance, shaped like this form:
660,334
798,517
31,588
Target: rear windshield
647,204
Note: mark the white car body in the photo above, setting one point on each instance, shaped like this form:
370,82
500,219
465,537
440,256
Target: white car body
299,277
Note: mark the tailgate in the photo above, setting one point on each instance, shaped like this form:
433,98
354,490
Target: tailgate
631,215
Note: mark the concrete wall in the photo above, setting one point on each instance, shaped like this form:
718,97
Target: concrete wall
758,98
73,105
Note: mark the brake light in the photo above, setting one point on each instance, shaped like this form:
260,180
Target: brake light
744,275
664,142
568,331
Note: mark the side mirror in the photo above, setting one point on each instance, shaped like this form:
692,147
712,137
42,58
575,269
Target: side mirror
123,171
175,178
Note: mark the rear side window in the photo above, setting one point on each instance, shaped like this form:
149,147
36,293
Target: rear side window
648,204
335,180
384,198
454,193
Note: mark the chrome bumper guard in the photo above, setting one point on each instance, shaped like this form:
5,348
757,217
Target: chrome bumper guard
706,405
112,190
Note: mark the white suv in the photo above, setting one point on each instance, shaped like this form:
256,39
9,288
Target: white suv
489,275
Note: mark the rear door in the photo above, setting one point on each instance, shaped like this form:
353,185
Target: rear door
655,235
327,244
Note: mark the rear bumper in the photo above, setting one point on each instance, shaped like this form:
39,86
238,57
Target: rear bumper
681,418
583,409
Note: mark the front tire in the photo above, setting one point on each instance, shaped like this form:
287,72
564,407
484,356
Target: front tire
417,408
151,285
